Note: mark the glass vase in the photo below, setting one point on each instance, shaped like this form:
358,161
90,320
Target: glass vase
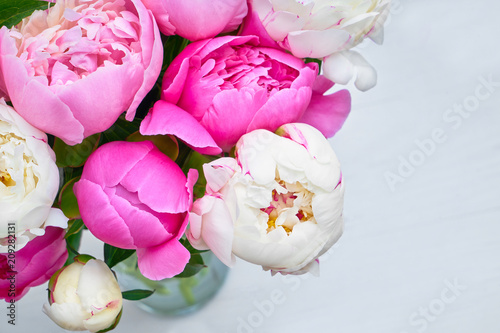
174,296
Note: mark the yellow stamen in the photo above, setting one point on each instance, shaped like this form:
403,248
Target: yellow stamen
6,179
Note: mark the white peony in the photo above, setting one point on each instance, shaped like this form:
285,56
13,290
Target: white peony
278,204
84,296
325,29
29,180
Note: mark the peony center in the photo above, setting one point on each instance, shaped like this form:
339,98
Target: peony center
291,205
17,167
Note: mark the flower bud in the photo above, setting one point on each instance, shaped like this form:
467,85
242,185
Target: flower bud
84,296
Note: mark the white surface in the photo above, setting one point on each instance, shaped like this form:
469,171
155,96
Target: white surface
401,249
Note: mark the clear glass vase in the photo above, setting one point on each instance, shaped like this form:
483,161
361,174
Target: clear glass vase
175,296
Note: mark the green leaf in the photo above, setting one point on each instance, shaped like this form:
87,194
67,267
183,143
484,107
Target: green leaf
189,247
194,265
67,200
173,45
167,144
137,294
121,129
83,258
196,161
318,61
74,227
73,244
75,156
114,255
13,11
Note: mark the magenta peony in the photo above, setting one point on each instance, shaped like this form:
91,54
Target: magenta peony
133,196
225,87
34,263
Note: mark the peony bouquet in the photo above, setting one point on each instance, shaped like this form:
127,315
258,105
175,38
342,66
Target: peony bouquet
168,128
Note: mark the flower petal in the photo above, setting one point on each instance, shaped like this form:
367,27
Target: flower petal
166,118
163,261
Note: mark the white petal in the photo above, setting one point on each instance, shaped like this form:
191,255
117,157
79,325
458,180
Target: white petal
219,172
217,232
338,68
69,316
317,44
56,219
67,284
97,286
366,75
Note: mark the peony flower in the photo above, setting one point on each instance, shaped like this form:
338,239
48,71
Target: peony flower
278,204
29,181
84,296
197,19
73,69
34,263
225,87
322,29
133,196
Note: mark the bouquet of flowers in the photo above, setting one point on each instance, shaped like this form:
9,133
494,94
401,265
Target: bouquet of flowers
167,128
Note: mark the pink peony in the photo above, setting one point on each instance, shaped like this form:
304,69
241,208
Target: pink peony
133,196
73,69
225,87
34,263
197,19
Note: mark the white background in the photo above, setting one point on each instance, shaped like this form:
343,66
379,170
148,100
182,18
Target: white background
402,246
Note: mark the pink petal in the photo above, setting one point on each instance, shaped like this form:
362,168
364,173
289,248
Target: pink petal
286,106
232,112
216,230
95,88
152,53
145,228
100,217
252,25
199,19
121,155
328,112
166,118
163,261
42,108
161,16
159,182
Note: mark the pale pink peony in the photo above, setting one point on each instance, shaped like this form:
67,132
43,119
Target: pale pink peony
133,196
197,19
34,263
73,69
323,29
225,87
277,204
